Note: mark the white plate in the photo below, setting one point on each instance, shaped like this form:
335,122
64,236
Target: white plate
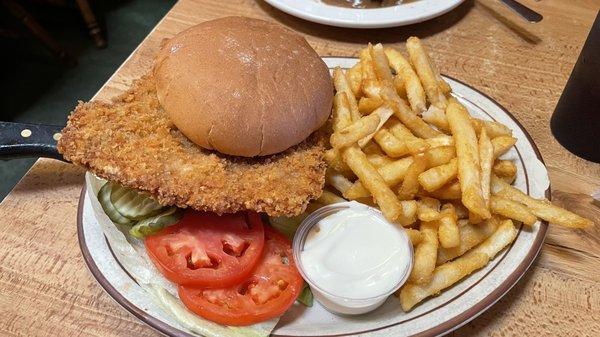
453,308
393,16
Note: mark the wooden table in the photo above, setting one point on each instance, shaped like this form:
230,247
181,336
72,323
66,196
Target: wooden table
46,290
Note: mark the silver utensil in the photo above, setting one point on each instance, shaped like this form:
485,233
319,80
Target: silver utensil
524,11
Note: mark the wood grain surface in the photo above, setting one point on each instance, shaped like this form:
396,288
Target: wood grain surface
46,290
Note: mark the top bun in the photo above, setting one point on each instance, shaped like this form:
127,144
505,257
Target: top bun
242,86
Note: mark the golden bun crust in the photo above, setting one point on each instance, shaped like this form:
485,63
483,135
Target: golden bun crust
243,87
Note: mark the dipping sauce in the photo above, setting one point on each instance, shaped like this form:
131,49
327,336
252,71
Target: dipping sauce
362,3
353,258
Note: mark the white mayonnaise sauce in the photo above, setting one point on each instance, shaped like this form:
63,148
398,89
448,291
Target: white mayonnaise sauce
355,254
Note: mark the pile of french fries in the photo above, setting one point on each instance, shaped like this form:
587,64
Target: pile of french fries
401,142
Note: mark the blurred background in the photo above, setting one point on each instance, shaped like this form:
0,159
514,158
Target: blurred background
56,52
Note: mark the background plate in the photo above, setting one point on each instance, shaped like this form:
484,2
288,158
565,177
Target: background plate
400,15
453,308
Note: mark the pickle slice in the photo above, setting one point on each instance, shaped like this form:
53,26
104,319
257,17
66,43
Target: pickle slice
153,224
132,204
109,209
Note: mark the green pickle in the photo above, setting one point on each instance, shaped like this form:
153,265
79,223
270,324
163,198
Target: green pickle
109,209
133,204
155,223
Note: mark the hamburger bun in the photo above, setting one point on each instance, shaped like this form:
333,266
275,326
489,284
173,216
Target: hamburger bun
243,87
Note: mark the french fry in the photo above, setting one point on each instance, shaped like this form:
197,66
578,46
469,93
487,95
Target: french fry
461,211
448,232
440,155
367,67
414,235
342,117
366,105
469,171
414,144
392,174
381,65
440,141
420,60
436,177
442,277
450,191
372,89
494,129
400,86
502,144
355,132
505,169
334,160
328,198
449,273
425,254
354,76
486,159
543,209
416,125
337,181
391,145
386,199
412,84
512,210
379,160
384,113
341,85
437,117
470,236
372,148
409,212
410,184
428,209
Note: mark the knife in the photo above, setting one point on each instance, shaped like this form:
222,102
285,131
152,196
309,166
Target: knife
18,140
524,11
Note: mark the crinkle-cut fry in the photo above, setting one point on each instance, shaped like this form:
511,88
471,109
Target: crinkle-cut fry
502,144
400,86
379,160
334,160
436,117
442,277
512,210
436,177
355,132
391,145
392,174
505,169
384,113
425,254
337,181
342,117
448,232
450,191
428,209
384,197
449,273
486,160
494,129
410,184
367,105
412,84
328,198
354,76
542,208
470,236
414,235
341,85
423,66
440,141
467,152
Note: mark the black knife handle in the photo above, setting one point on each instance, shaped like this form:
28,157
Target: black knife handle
19,140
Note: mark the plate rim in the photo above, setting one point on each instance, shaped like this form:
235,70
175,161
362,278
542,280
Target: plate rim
371,23
443,328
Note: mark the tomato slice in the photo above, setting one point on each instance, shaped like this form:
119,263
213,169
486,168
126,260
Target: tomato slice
267,293
207,250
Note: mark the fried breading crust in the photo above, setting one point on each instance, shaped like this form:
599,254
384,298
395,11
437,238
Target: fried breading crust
132,141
